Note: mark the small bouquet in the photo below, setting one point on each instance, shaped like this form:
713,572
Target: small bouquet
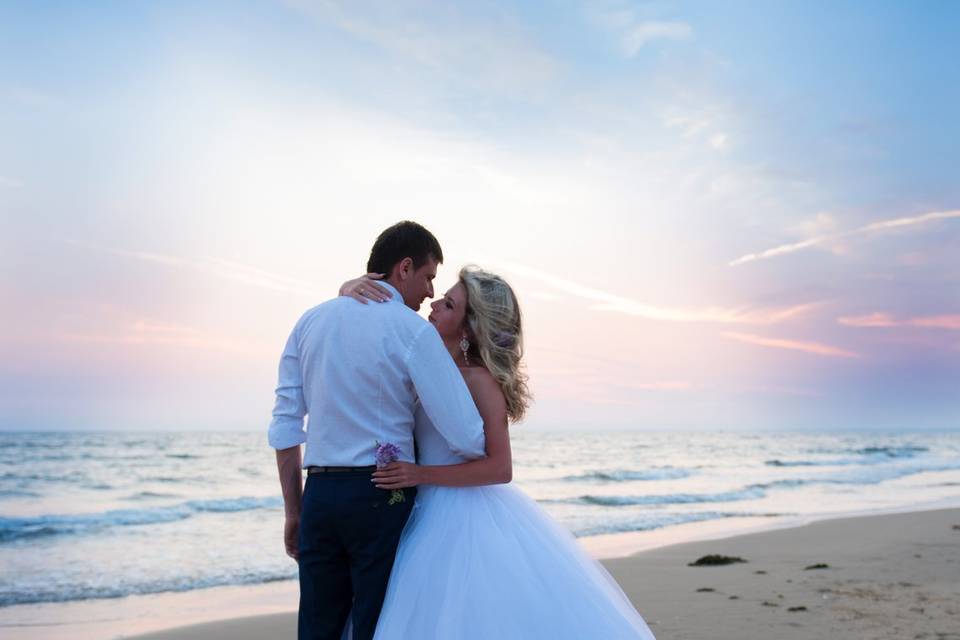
388,452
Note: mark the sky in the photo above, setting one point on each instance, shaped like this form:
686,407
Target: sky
717,216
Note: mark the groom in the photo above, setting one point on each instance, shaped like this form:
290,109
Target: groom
359,371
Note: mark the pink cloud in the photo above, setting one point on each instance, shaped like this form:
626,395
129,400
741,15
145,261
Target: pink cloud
869,320
939,322
795,345
218,268
606,301
661,385
885,320
145,332
913,259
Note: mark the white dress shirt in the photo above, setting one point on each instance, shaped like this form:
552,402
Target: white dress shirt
359,371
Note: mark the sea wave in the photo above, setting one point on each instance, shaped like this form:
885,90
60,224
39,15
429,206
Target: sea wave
861,476
649,521
147,495
622,475
907,451
857,456
89,591
73,476
12,529
799,463
18,493
750,493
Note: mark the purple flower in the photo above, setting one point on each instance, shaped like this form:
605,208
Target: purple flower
387,452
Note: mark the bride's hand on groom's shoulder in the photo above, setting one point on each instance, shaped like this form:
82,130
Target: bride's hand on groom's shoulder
398,475
366,288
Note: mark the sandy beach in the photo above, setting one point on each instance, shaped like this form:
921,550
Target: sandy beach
881,576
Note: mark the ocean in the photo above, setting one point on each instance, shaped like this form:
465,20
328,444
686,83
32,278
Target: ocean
106,514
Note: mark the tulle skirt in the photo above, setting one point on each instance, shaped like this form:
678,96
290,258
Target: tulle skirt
489,563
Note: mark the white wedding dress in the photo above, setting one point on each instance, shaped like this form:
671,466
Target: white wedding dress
488,563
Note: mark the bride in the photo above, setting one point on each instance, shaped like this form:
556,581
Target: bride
478,558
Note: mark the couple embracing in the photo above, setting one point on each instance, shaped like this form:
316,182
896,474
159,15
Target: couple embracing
407,527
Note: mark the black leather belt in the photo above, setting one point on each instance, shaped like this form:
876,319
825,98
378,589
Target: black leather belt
313,470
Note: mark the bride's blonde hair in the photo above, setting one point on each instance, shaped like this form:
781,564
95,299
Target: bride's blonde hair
493,317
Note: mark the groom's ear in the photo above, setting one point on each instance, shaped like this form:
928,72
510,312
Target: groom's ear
404,268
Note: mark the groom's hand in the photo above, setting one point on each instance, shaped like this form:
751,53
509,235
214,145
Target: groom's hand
291,536
397,475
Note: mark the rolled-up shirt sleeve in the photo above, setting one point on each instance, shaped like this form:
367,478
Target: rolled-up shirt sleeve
286,428
444,395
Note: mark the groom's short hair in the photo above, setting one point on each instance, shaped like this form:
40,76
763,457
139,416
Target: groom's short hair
403,240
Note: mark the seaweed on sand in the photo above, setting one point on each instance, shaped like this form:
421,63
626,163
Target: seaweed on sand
714,560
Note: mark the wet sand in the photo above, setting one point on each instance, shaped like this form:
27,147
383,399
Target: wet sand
880,576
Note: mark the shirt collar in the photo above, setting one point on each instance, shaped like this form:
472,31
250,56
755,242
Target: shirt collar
392,289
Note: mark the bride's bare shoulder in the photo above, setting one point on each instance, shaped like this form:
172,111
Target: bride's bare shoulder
483,386
479,375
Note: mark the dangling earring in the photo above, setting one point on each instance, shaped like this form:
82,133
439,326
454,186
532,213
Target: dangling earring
465,346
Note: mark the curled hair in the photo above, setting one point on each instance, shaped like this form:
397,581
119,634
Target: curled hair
493,317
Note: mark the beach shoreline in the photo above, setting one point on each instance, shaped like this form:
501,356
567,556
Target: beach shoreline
638,561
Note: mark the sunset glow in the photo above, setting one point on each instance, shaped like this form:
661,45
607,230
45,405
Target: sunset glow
706,230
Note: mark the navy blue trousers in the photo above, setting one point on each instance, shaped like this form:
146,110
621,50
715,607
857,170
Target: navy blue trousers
348,537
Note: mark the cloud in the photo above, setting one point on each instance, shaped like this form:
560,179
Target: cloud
938,322
642,33
702,124
874,320
691,125
661,385
587,367
611,302
483,51
795,345
913,259
820,225
870,320
634,33
883,225
547,296
903,222
776,251
147,332
219,268
778,390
